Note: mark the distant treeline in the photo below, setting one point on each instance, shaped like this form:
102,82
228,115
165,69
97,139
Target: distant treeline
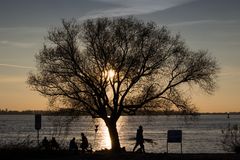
26,112
72,112
43,112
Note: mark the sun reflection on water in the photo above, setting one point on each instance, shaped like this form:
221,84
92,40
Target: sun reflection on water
103,140
106,138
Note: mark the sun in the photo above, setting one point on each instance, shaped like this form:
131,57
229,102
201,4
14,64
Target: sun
111,74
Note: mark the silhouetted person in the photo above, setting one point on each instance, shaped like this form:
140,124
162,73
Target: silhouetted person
73,146
45,143
84,144
139,139
54,145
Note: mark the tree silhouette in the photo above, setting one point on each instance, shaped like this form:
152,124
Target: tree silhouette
108,67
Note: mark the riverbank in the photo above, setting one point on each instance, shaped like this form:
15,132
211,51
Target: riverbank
65,155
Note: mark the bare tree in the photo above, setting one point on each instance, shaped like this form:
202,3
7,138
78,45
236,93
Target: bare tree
108,67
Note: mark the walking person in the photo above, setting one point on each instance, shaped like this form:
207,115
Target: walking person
84,144
139,139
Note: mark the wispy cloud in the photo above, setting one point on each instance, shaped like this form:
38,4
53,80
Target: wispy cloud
18,44
111,13
15,66
24,29
208,21
11,79
229,72
133,7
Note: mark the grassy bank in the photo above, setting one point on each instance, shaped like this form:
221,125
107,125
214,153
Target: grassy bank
66,155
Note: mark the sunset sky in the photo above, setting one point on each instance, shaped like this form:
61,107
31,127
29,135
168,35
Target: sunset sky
204,24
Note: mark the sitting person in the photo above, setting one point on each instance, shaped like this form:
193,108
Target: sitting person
73,145
45,143
84,144
53,144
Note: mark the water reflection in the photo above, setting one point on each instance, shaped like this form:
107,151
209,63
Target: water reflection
102,140
106,141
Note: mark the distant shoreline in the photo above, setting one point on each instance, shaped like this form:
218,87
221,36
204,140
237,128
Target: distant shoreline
68,112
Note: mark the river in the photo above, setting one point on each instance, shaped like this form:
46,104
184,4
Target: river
199,135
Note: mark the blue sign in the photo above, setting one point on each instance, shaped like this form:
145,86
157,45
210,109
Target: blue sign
174,136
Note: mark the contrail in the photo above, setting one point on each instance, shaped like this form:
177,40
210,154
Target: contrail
15,66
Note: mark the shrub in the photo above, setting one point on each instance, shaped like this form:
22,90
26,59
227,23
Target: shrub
231,138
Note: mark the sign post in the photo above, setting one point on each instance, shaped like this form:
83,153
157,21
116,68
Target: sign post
174,136
38,120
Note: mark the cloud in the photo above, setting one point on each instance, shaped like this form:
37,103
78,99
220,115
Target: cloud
133,7
24,29
111,13
230,74
18,44
12,79
197,22
15,66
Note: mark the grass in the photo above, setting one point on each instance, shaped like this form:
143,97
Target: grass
36,154
27,150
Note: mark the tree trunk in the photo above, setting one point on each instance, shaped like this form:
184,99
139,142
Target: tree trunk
112,129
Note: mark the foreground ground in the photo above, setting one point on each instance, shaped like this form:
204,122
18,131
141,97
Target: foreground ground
40,155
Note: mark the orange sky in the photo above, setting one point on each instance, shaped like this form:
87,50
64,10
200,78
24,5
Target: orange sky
17,95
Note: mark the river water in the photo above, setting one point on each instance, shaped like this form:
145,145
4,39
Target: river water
200,135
